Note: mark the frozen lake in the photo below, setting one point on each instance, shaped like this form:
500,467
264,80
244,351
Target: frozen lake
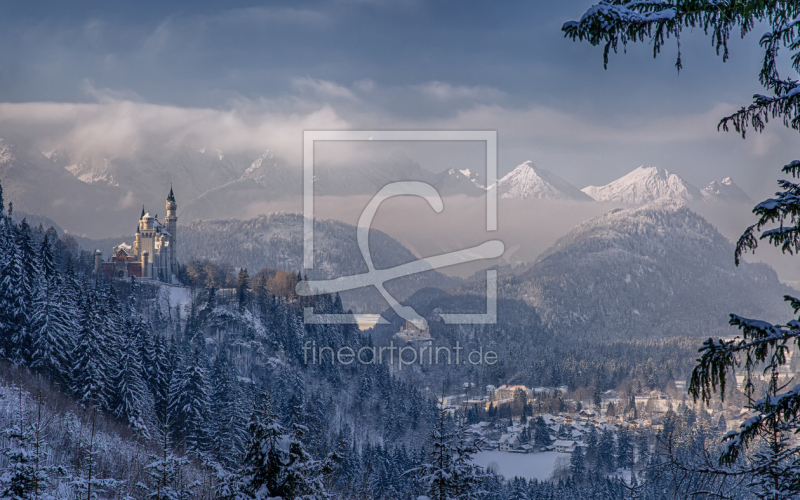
530,466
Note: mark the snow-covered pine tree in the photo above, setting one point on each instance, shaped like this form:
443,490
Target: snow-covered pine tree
133,401
624,448
166,470
606,452
51,322
12,301
642,448
304,476
541,434
577,463
592,444
763,346
159,369
242,288
190,405
111,330
22,338
263,464
469,478
91,375
27,474
85,481
227,421
448,472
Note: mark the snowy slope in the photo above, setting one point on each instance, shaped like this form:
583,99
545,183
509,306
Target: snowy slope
529,181
654,271
725,191
195,171
276,241
643,185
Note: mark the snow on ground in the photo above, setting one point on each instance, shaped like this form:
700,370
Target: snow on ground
530,466
177,294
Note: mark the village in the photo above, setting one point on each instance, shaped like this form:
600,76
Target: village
518,419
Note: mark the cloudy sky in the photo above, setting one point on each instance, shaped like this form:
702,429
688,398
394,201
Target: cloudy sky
238,75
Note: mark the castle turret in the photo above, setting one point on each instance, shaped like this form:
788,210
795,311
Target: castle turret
172,229
98,261
137,243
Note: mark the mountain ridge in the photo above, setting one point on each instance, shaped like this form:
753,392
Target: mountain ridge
529,181
649,271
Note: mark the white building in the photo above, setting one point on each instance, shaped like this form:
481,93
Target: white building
154,252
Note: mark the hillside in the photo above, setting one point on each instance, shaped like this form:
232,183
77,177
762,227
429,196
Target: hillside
276,241
655,271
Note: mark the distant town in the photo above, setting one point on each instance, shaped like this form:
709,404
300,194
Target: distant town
511,415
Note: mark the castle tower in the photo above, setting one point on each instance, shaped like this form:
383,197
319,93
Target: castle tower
172,229
98,261
137,243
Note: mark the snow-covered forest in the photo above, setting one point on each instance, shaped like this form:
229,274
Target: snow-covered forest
180,383
115,389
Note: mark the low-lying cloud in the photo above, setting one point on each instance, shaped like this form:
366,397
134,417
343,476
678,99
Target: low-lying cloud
583,149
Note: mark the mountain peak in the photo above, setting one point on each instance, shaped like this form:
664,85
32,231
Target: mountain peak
619,274
643,185
725,191
529,181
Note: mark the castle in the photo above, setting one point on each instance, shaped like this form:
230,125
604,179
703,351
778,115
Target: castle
154,254
414,332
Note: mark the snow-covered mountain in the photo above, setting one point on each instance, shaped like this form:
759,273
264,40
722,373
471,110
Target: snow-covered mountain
460,181
37,184
652,271
269,178
725,191
529,181
643,185
195,171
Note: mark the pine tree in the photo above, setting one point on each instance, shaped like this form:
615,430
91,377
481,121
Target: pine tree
226,437
449,473
86,483
159,369
276,463
304,476
606,452
191,402
541,435
577,464
264,459
91,374
242,287
773,471
642,448
166,470
624,449
51,322
592,447
27,475
133,400
469,478
12,300
22,337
